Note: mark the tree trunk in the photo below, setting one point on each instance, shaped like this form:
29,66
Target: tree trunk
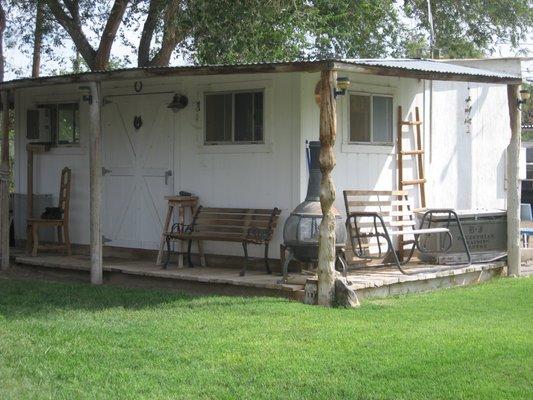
326,240
95,167
513,184
38,40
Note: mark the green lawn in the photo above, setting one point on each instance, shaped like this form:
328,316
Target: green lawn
71,341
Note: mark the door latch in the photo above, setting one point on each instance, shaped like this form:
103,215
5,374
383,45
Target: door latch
105,171
168,174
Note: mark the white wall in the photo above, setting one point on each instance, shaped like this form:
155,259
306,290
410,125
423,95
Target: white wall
466,161
48,166
255,176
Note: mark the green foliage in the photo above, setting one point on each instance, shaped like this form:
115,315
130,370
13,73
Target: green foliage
72,341
527,109
471,28
241,31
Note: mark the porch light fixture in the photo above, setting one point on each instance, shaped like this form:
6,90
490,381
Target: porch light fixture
178,102
86,94
343,83
524,97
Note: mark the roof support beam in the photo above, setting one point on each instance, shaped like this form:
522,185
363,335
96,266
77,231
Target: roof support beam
4,184
95,173
326,235
513,183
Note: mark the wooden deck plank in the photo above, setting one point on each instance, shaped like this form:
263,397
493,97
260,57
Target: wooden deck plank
361,278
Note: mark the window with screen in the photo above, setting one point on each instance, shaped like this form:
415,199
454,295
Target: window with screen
370,118
234,117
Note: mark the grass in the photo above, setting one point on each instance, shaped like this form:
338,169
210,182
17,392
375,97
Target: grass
72,341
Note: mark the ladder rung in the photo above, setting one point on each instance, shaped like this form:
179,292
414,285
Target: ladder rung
411,152
414,182
411,122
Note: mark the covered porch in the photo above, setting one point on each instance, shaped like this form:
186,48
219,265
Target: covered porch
367,281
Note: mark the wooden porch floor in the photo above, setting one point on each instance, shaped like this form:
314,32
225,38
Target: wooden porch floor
375,281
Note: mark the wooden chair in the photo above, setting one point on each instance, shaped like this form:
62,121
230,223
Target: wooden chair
61,224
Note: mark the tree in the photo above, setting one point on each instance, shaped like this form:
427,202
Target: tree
38,38
174,31
240,31
470,28
254,30
69,17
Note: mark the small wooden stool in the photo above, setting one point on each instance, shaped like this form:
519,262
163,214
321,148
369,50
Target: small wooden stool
180,203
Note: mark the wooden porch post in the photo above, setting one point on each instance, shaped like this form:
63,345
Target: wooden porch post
513,183
95,166
4,185
326,241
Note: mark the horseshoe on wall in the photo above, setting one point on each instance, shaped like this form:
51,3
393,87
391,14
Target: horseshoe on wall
138,86
137,121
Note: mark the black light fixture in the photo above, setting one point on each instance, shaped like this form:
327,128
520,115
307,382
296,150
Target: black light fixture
524,97
179,102
343,83
86,94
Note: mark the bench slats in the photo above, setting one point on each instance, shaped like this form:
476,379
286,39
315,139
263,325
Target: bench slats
231,225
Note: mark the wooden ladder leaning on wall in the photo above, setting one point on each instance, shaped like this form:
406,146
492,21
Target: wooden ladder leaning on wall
418,153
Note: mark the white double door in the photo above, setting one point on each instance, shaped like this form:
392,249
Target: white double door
138,148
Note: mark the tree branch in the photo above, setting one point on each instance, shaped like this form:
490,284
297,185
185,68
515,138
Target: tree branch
109,33
74,30
171,36
143,55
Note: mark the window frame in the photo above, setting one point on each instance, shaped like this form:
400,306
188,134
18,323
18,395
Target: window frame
371,142
233,142
54,133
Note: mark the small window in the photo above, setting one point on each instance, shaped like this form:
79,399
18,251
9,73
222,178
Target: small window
370,118
64,124
234,118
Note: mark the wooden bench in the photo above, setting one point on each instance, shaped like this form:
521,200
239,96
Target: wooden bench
374,216
241,225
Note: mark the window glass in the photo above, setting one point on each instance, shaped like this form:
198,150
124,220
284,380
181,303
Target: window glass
218,112
67,124
244,118
382,119
359,118
258,117
235,117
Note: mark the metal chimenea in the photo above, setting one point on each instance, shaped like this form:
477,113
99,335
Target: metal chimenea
300,233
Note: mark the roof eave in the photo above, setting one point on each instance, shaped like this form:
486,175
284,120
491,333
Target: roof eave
135,73
427,75
301,66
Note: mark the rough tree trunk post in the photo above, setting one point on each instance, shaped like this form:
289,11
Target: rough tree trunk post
4,188
326,241
513,183
95,166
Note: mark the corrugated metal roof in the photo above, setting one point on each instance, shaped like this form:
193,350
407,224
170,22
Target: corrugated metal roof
424,65
415,68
